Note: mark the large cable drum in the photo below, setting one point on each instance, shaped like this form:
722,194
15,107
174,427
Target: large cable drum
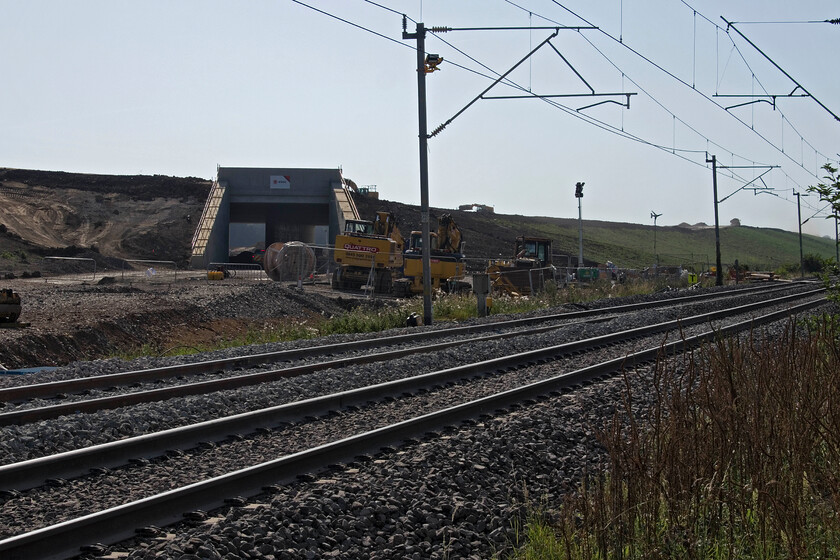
289,261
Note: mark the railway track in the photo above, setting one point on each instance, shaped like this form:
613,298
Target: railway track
626,349
69,390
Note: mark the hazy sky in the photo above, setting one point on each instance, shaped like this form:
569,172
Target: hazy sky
178,87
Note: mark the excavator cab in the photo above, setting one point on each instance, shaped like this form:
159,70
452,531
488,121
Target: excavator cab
415,242
535,249
369,253
447,264
527,272
355,227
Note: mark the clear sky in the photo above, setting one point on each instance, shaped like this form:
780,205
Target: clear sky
179,87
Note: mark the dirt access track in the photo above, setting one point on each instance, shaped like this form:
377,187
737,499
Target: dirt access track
72,319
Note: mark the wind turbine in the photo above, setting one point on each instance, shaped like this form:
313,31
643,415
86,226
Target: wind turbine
654,215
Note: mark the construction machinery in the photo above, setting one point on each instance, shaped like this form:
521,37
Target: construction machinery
527,272
446,261
369,253
9,306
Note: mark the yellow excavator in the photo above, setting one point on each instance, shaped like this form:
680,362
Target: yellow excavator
446,261
369,253
374,253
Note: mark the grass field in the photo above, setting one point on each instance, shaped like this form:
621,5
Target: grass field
631,245
628,245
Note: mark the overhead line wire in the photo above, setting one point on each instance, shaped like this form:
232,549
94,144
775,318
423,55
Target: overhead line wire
383,36
734,175
401,14
586,118
735,46
363,28
835,21
680,80
764,89
782,70
654,99
683,82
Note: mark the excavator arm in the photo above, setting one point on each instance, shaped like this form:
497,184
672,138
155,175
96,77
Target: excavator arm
449,235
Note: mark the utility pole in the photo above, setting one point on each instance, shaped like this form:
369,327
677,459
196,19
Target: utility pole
420,36
799,222
429,63
715,166
579,196
836,240
719,271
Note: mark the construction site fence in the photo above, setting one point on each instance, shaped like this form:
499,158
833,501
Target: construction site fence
149,271
83,276
130,270
563,276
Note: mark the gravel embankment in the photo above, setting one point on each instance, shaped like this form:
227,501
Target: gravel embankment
464,494
395,514
19,443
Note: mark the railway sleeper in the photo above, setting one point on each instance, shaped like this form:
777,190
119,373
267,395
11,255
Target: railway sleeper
149,531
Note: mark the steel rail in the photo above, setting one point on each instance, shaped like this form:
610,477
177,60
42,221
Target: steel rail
118,523
203,387
55,388
33,472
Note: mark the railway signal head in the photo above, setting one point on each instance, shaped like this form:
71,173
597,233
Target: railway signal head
579,189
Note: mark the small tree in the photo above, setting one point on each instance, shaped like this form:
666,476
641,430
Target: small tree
829,192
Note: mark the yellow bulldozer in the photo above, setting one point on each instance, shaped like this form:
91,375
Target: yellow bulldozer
527,272
369,253
446,261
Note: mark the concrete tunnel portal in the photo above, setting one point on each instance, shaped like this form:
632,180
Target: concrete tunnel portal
278,222
255,207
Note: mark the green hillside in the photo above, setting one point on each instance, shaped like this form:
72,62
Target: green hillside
632,245
759,248
627,245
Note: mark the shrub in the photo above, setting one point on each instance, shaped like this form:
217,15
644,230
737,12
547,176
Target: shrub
812,263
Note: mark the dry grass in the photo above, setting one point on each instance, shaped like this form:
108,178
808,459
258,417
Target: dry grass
739,457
